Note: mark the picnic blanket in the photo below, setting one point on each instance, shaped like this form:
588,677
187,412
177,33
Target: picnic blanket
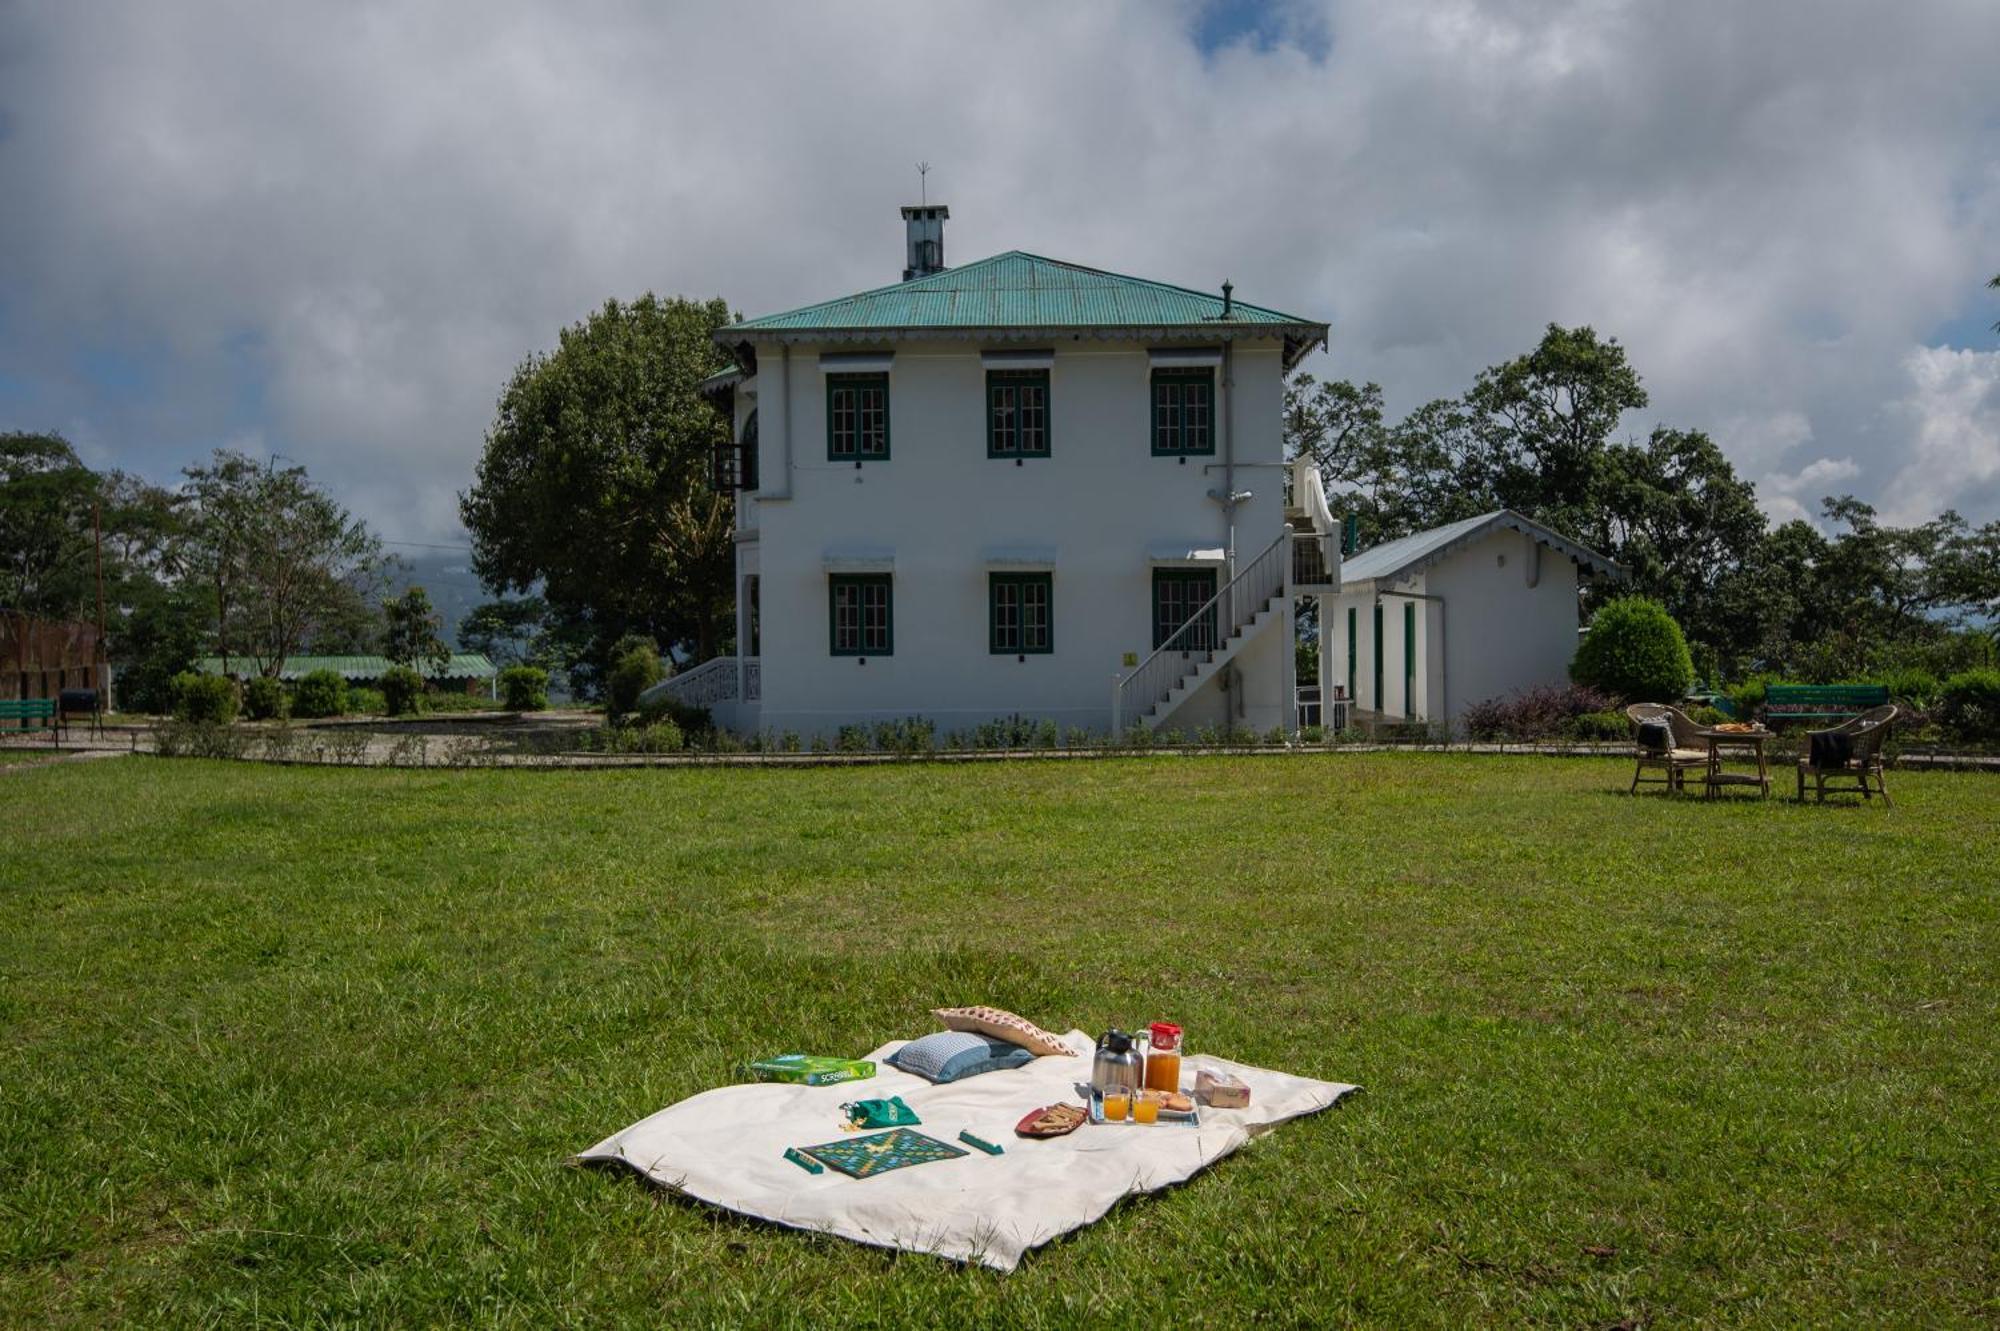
726,1147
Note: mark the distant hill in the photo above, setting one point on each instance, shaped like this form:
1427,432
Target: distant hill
447,575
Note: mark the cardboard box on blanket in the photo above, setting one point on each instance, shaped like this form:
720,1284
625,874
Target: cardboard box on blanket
727,1146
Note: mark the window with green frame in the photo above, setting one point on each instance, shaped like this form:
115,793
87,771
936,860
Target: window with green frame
1017,413
1353,649
860,613
1020,613
1375,702
1183,410
1178,593
857,417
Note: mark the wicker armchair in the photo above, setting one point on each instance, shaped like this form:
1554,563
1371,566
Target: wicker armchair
1686,752
1864,760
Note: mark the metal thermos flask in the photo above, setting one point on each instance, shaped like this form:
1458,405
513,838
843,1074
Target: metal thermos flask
1116,1063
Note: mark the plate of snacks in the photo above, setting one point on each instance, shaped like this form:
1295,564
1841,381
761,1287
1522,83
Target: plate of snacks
1052,1121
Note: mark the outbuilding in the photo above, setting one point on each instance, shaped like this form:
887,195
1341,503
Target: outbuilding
1428,624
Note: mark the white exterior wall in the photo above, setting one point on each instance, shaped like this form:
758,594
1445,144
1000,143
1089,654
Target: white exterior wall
1498,634
1503,635
1102,501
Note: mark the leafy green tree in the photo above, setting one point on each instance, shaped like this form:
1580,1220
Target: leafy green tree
46,495
286,567
594,484
635,667
509,631
413,634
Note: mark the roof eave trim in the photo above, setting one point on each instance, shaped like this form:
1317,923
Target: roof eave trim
1298,338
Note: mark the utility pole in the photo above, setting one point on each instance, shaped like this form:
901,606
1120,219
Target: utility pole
103,681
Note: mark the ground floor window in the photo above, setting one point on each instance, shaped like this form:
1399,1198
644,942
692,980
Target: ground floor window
1178,593
1375,701
752,630
860,613
1410,659
1020,617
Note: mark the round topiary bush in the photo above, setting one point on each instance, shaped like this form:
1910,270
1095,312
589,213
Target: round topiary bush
263,698
635,667
1635,651
524,688
402,691
210,699
1969,705
321,693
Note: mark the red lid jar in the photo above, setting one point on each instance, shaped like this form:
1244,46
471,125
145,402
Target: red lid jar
1164,1037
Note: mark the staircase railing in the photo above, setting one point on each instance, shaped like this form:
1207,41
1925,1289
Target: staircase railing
1205,632
711,682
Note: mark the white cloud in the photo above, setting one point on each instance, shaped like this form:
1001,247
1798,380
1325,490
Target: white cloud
1952,419
1786,496
342,226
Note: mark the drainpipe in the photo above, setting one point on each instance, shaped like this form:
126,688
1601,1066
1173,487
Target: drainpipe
1229,450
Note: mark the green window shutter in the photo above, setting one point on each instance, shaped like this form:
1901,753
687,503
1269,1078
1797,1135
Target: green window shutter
857,417
860,614
1017,413
1409,658
1375,702
1353,650
1020,614
1183,410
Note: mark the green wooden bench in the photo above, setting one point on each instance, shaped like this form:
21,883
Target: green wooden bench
1812,702
29,714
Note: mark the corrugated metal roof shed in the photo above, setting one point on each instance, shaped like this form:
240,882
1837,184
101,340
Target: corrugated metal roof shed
1411,554
464,665
1017,290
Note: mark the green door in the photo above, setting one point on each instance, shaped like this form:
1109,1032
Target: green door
1410,659
1353,648
1375,700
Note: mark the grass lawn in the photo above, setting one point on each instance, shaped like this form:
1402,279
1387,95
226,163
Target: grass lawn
311,1045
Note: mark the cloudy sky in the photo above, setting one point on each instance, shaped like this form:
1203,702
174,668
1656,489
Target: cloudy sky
330,231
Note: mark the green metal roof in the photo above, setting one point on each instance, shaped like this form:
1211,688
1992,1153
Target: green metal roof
464,665
1016,290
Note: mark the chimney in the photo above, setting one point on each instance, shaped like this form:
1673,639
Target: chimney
924,228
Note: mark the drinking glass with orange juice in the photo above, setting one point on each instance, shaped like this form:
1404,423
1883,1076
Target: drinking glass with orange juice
1146,1107
1117,1102
1163,1057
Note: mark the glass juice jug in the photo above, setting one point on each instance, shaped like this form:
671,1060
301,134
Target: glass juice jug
1163,1056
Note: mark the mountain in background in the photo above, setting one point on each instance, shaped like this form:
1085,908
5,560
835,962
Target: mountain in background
447,575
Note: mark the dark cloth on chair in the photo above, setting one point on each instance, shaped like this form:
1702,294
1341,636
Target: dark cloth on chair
1656,735
1832,749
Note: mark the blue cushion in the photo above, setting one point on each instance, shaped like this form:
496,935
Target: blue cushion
954,1055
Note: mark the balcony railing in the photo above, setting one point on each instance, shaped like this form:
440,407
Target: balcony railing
1310,565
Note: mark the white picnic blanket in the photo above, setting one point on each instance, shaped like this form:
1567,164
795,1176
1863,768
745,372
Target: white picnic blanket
726,1147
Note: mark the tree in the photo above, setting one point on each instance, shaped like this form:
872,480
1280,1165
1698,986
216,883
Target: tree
1634,651
595,485
286,566
46,495
509,631
413,633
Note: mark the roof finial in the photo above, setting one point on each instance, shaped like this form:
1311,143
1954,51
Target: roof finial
1228,301
923,183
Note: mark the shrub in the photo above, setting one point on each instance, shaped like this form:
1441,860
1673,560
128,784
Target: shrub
524,688
321,693
204,699
402,691
635,667
1745,698
1969,705
1914,688
1611,725
179,738
1539,713
1634,651
366,701
264,699
1707,716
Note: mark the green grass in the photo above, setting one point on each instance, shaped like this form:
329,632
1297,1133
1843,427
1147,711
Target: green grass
308,1045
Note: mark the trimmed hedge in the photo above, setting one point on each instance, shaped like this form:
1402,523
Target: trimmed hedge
320,693
264,698
1635,651
1969,704
524,688
402,691
204,699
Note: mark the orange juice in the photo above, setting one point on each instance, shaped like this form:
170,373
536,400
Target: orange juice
1115,1104
1146,1109
1163,1057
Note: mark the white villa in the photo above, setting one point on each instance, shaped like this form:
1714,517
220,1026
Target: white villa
1022,488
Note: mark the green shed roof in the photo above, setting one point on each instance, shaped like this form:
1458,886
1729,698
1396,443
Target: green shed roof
464,665
1017,291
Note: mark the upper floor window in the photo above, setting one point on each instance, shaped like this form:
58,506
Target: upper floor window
859,611
1183,410
1017,413
857,417
735,463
